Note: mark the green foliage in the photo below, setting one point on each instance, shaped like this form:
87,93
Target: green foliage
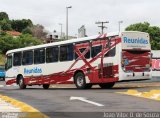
2,59
25,26
26,40
8,42
5,25
153,31
27,30
20,25
4,15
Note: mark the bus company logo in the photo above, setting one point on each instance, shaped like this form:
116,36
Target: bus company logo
156,64
34,70
138,40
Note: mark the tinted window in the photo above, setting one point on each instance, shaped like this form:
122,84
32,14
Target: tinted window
84,46
111,53
27,58
96,50
108,43
66,52
9,62
39,56
52,54
17,59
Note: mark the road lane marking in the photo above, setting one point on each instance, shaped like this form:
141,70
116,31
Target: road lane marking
85,100
152,94
1,86
29,111
5,106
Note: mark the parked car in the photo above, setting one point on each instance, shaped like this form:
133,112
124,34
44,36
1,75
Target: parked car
2,72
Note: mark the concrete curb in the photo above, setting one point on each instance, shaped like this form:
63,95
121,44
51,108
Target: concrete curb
29,111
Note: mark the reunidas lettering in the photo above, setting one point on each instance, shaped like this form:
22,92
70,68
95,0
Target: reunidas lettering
34,70
138,40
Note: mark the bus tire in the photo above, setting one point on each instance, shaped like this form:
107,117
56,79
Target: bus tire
21,83
80,81
107,85
45,86
3,78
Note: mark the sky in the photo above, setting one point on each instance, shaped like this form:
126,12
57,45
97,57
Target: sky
50,13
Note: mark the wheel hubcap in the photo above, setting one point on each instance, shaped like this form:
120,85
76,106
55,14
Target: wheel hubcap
80,81
20,82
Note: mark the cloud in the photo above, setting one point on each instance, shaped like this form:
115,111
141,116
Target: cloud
84,12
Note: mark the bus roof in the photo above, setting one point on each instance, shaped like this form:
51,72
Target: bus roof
65,42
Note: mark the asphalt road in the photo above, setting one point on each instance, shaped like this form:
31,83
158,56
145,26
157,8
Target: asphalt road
55,102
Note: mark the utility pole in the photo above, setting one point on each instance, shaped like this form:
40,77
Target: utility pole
102,25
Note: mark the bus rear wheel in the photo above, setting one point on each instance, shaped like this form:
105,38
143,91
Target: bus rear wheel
45,86
21,83
107,85
80,81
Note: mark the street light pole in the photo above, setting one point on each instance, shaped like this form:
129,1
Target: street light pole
119,25
102,25
67,21
61,29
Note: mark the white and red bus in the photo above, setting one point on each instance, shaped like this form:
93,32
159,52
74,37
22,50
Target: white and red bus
156,65
102,60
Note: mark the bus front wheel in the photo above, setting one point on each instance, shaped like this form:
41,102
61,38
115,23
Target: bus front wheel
107,85
45,86
21,83
80,81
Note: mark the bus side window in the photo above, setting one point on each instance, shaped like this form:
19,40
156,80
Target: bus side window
96,48
17,59
111,53
52,54
27,58
66,52
9,62
39,56
108,44
87,55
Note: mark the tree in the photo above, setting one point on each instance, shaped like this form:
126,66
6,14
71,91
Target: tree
26,40
5,25
38,31
8,42
4,15
20,25
153,31
27,30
